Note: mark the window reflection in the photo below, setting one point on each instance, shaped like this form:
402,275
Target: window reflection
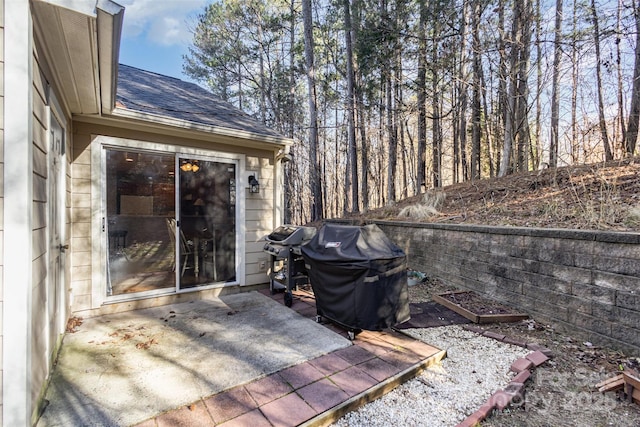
207,219
140,195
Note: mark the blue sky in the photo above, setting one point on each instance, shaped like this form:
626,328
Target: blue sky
156,33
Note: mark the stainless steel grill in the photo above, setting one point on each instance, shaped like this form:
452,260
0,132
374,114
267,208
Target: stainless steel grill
286,265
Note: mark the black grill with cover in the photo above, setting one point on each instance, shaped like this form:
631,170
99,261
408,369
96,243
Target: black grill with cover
358,276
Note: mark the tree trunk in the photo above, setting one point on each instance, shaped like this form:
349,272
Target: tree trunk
476,112
422,99
317,210
555,89
360,110
436,147
437,132
521,120
352,175
574,81
634,111
623,128
603,124
538,146
287,168
512,83
392,136
503,78
460,112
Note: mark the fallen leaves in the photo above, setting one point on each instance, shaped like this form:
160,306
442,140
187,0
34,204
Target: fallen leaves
146,344
73,323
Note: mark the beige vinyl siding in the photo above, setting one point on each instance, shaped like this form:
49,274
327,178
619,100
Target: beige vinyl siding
1,195
39,358
259,219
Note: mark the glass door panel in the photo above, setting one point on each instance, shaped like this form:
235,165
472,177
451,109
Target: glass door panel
207,223
140,208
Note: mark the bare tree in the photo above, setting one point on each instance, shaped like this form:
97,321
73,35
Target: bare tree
315,179
461,94
555,101
623,128
352,175
512,87
574,80
421,84
634,112
602,121
522,106
476,109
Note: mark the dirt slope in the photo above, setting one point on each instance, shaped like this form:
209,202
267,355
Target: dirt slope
604,196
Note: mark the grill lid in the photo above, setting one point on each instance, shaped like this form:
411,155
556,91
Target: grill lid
291,235
281,233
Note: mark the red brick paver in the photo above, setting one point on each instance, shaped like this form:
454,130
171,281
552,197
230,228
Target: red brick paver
353,380
537,358
230,404
322,395
522,376
494,335
379,369
515,341
521,364
253,419
354,354
401,359
289,410
500,399
301,375
330,364
267,389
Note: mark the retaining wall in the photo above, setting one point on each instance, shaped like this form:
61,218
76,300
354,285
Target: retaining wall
583,282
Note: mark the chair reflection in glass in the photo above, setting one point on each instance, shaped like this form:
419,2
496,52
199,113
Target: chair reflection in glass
209,257
186,247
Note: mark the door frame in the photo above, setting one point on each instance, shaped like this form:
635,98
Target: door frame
99,242
60,283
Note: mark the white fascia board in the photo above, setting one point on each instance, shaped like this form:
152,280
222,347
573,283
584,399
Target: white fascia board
109,23
87,7
17,277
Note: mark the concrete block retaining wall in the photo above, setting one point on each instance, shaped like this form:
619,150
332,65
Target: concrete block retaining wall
583,282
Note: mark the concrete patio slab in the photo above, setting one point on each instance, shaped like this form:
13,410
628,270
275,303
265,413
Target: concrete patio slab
121,369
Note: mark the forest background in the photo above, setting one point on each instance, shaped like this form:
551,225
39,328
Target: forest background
387,99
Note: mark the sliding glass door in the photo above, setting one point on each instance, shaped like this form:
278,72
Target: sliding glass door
207,221
170,222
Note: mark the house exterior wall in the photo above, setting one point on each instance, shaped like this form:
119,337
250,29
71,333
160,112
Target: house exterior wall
39,365
17,233
49,310
1,201
259,217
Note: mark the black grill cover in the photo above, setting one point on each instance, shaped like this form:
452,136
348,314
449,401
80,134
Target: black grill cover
358,276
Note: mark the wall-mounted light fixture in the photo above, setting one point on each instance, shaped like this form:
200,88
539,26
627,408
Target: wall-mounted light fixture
254,185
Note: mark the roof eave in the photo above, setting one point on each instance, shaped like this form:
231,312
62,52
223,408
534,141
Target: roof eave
159,123
81,42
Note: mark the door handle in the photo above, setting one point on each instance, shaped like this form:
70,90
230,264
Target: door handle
63,248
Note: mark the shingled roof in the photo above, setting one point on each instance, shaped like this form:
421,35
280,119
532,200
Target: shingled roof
146,92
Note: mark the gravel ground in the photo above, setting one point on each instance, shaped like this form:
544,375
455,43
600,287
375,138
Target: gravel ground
446,393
